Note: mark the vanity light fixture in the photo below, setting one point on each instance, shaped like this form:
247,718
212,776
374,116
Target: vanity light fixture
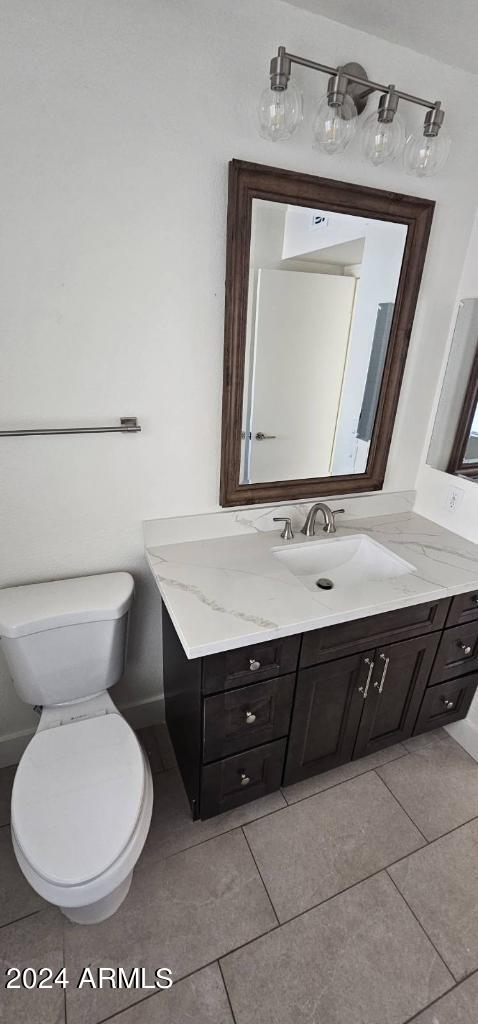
335,124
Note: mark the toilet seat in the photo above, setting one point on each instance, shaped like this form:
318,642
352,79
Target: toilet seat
78,796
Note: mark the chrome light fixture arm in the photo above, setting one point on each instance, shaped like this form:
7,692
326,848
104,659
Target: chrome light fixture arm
280,113
280,70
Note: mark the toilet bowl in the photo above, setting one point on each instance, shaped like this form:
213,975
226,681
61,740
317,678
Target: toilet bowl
82,796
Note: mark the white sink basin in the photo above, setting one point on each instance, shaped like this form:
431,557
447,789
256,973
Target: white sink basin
345,561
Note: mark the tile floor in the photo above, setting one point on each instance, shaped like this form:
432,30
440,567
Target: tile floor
350,898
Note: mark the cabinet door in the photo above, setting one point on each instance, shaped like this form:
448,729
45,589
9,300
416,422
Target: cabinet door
399,680
328,704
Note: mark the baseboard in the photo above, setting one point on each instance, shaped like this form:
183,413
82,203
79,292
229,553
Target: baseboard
138,713
466,734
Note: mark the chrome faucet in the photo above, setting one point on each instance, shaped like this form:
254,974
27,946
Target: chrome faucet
329,519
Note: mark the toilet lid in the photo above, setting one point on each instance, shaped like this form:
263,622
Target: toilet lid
77,796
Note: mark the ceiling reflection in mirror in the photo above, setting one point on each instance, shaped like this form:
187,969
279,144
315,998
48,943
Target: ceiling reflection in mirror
321,298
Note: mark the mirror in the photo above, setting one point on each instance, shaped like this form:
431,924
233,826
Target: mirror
454,441
321,288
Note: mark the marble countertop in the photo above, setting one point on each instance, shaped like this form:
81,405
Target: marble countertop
228,591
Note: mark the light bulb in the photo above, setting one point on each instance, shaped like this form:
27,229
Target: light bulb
334,126
381,141
426,155
280,112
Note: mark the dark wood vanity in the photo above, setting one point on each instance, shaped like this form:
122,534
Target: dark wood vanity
247,721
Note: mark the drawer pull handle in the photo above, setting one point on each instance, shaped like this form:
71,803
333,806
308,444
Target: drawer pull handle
364,689
245,780
464,647
384,673
250,717
449,704
254,665
475,599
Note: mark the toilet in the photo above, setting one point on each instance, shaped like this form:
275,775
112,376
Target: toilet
82,795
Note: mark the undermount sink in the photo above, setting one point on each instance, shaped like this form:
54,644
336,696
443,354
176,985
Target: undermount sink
343,561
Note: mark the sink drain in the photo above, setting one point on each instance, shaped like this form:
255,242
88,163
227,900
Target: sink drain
324,583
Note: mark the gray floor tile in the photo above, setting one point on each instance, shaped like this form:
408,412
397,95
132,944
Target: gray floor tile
199,999
172,828
440,883
319,783
183,913
437,783
426,739
458,1007
168,756
35,942
148,737
7,776
361,958
17,898
315,848
157,744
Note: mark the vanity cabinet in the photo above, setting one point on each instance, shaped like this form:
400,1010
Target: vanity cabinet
246,721
354,706
327,710
397,686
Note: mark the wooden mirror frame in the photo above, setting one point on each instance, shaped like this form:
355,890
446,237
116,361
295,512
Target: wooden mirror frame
249,181
456,465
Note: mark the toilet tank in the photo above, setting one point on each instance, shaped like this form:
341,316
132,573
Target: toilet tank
66,640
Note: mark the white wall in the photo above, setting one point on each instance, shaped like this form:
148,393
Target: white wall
118,120
433,486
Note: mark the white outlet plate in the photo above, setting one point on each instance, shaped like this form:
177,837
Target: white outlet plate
454,498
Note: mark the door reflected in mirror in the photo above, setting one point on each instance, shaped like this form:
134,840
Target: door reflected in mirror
321,298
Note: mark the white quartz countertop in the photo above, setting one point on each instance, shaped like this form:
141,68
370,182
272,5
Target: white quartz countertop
229,591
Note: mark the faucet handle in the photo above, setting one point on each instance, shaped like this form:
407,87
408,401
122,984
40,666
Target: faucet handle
287,531
336,511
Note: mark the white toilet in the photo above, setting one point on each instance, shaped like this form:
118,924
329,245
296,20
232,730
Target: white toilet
82,796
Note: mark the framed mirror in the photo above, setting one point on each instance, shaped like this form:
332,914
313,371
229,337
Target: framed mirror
454,441
463,459
321,286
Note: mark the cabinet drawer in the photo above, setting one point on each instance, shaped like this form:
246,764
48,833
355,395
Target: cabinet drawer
241,778
360,634
457,653
464,608
239,719
230,669
446,703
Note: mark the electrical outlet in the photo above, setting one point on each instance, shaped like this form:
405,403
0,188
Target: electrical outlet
454,498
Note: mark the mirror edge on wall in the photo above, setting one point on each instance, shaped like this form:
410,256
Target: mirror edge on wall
246,182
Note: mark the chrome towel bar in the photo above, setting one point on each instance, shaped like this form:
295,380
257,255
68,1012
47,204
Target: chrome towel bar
128,425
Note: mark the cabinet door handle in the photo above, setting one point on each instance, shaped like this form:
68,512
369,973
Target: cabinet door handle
250,717
245,780
384,673
254,665
464,647
364,689
449,704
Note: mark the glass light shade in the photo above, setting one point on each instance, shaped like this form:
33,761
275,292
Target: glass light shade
426,156
334,127
381,141
280,112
